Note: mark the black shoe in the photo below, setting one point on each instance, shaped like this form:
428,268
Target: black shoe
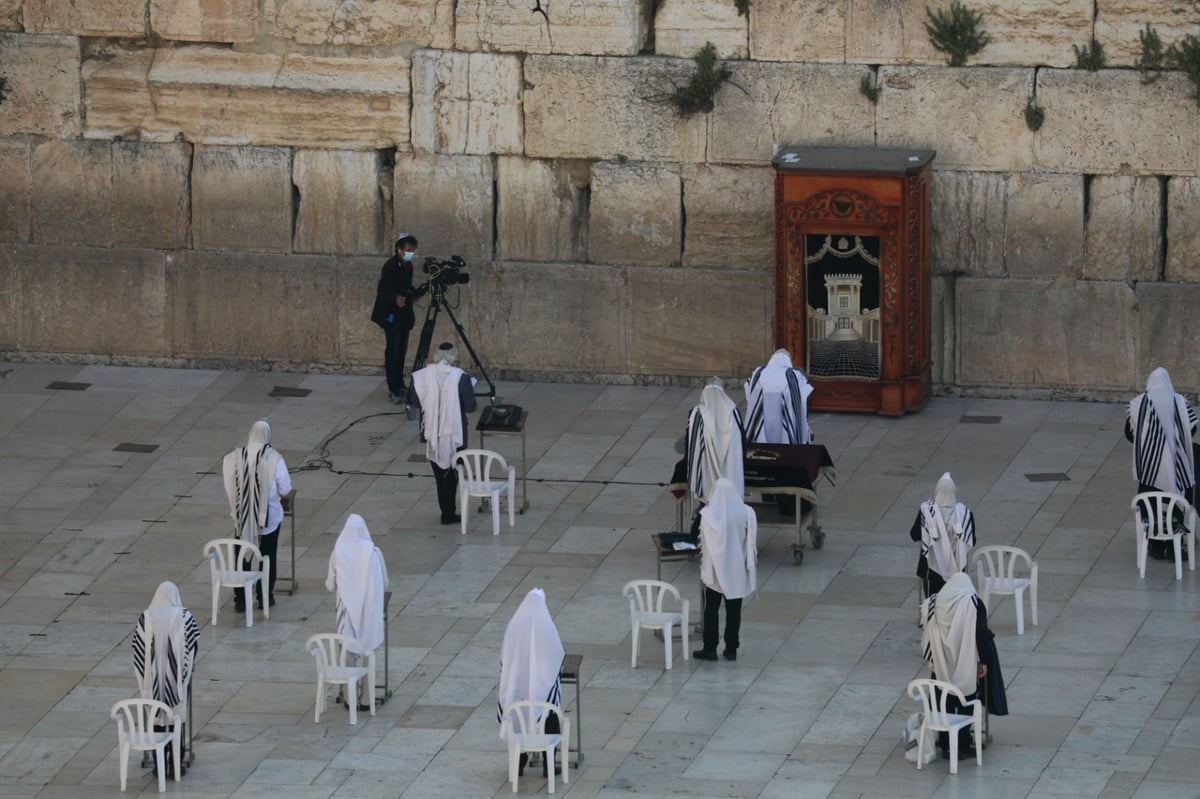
455,519
272,601
705,654
730,654
240,607
1170,555
521,765
363,708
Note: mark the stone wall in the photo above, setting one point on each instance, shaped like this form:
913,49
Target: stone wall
218,181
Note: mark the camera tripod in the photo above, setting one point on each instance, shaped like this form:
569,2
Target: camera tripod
437,304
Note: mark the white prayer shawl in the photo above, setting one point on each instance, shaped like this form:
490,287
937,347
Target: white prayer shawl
531,657
714,443
358,573
947,530
249,473
729,543
948,638
441,412
165,642
777,403
1163,423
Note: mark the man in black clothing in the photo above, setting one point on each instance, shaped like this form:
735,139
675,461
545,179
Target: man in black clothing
394,313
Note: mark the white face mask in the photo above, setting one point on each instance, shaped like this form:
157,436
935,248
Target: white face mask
408,256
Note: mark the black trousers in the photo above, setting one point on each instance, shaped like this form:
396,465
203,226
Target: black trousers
268,544
394,351
447,490
733,620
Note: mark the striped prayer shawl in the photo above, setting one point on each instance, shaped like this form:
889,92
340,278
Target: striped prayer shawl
1150,442
792,410
704,468
946,544
554,696
169,676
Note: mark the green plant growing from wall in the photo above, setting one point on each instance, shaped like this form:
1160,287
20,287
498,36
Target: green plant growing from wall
957,33
1154,57
697,95
743,7
868,89
1186,56
1034,116
4,88
1089,57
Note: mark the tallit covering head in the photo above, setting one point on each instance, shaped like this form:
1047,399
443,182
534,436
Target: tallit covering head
249,472
947,529
777,403
714,442
948,638
1162,445
165,642
358,573
441,411
531,657
728,543
945,495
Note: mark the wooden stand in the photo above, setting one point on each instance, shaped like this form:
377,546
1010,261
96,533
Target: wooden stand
289,512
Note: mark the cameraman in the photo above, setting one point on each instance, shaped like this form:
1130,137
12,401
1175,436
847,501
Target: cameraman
394,313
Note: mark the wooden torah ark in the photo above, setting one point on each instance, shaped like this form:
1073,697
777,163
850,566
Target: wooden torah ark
853,264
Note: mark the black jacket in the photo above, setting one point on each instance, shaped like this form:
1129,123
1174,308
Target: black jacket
395,280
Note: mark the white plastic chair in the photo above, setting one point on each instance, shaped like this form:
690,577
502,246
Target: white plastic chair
227,564
526,723
135,732
331,651
474,467
996,568
1153,520
646,598
932,694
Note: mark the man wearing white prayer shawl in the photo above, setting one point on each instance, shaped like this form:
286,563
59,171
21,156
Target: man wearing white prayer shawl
531,660
714,442
165,642
255,477
728,565
1161,425
445,395
359,576
777,403
946,530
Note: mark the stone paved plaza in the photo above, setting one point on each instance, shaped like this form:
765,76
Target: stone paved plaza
1103,692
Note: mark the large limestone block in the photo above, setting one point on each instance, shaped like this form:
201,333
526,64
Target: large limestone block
566,317
1044,333
94,18
466,103
253,306
542,213
785,30
1124,228
1167,330
16,189
673,314
89,300
215,96
117,97
635,215
940,108
205,20
242,199
10,15
11,299
1183,230
602,108
942,328
683,27
1109,121
447,202
72,193
1044,228
341,208
730,214
1119,22
151,195
595,27
968,223
360,341
43,84
786,104
420,23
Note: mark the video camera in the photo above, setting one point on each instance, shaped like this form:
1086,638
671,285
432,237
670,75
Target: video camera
450,272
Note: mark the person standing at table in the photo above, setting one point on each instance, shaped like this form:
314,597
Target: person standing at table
946,529
255,478
777,403
728,565
446,395
714,443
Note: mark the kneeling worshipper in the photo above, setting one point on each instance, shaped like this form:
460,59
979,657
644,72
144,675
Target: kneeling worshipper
1161,425
165,642
255,477
957,643
359,576
445,395
714,442
946,530
728,565
531,661
777,403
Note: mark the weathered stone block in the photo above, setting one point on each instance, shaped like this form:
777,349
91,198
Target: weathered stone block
341,208
88,300
1109,121
597,27
11,299
942,331
16,189
542,213
10,15
1044,229
602,108
942,108
43,81
635,215
242,199
420,23
96,18
670,310
205,20
730,217
447,202
1118,23
1124,228
1167,328
683,27
360,341
72,193
151,198
1183,230
968,223
118,99
788,104
251,306
1043,333
466,102
783,30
